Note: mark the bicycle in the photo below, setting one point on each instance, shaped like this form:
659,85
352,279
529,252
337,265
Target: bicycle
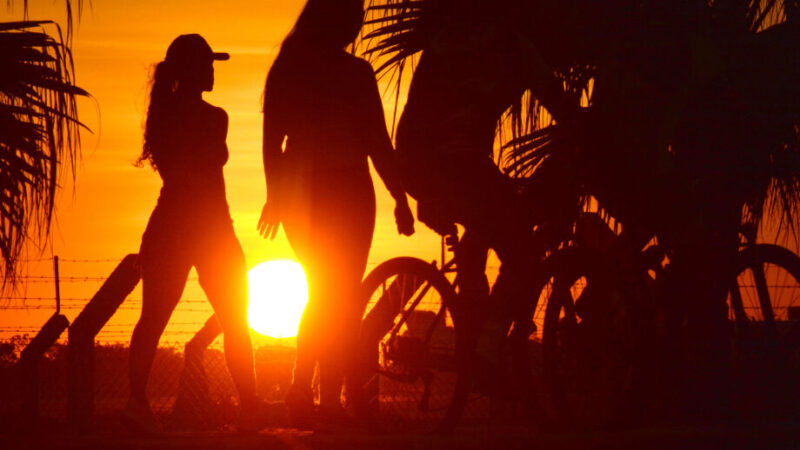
416,349
603,313
408,340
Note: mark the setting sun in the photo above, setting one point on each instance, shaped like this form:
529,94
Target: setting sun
278,295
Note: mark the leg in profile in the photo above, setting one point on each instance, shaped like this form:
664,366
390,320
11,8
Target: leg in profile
308,333
223,276
318,338
163,280
343,312
471,254
300,398
343,318
514,297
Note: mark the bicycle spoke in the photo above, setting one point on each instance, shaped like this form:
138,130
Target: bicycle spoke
738,307
764,297
411,308
414,348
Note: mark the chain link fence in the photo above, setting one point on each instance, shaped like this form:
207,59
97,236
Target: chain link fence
183,395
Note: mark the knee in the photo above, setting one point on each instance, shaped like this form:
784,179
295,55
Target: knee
235,325
150,327
237,339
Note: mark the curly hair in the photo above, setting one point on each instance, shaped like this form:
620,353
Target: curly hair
164,82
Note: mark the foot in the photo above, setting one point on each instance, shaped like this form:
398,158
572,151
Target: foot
262,415
364,412
300,408
249,423
138,418
333,418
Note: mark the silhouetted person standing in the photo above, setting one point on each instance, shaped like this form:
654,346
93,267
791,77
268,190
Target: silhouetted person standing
323,105
184,140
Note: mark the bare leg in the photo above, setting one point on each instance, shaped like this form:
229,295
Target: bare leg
223,276
308,332
163,280
345,266
342,325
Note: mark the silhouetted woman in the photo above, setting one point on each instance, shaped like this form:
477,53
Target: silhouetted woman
323,105
184,140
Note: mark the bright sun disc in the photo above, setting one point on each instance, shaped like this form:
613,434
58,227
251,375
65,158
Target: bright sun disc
278,295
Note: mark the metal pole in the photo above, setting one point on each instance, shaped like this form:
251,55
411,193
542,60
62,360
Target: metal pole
58,287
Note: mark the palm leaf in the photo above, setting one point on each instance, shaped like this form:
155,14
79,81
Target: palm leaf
39,132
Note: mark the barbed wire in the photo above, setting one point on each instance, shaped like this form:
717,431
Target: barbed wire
52,278
190,305
71,260
75,308
86,260
86,299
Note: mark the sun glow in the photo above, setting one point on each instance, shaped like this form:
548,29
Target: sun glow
278,295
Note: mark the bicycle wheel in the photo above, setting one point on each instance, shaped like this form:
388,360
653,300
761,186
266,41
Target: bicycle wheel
407,354
766,302
587,342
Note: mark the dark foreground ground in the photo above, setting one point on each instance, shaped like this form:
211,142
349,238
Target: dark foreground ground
785,436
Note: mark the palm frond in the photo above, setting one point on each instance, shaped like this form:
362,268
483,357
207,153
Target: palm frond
776,205
39,132
527,133
394,33
391,25
69,15
773,197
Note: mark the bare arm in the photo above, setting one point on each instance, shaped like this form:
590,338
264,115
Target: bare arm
272,143
219,153
380,147
382,152
272,138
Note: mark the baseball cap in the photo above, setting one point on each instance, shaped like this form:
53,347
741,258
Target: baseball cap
188,48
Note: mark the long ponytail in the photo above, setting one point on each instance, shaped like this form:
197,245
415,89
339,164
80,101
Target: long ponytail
162,90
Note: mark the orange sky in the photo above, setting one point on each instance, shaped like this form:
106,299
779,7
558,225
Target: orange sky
104,216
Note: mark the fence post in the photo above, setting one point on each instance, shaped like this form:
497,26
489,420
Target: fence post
80,348
58,287
29,364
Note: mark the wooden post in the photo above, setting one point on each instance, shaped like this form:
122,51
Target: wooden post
80,349
58,287
29,364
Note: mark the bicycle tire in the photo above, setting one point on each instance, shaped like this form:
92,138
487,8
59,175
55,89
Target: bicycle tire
407,372
586,363
751,311
768,285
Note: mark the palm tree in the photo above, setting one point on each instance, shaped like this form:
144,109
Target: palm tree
674,92
39,132
761,34
690,122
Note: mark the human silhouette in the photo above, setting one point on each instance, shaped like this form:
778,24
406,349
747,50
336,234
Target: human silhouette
470,72
323,105
184,140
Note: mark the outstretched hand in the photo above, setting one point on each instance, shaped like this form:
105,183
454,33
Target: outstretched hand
270,221
404,219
